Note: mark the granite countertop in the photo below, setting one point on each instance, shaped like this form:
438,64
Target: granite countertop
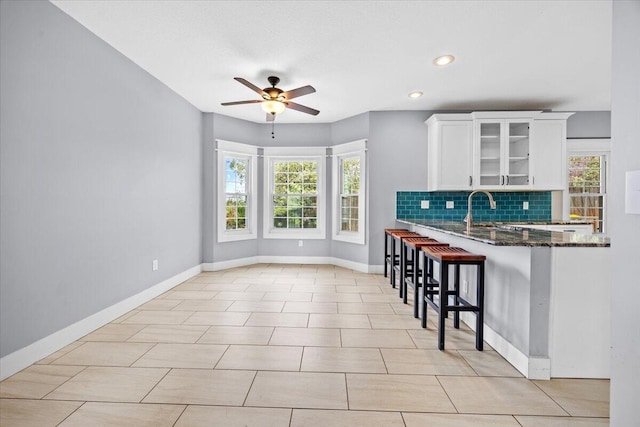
510,235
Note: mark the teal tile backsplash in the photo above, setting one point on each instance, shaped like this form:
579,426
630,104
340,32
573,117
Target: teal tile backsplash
509,206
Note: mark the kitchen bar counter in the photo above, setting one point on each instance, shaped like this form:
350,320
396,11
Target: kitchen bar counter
547,295
510,235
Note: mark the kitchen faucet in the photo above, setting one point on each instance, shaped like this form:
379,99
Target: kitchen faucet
469,218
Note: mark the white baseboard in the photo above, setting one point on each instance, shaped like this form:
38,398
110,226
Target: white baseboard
20,359
240,262
534,368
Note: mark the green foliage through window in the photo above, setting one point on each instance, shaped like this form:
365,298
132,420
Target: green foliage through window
295,194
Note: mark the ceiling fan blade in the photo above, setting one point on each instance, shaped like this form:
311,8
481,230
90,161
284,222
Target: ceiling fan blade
271,117
251,86
304,90
255,101
301,108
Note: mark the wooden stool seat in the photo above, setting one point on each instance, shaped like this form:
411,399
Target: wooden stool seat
387,255
411,273
395,257
445,257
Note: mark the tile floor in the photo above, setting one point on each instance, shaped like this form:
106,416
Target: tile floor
287,345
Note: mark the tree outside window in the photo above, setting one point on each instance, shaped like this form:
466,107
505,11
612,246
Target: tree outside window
586,190
236,193
350,193
295,194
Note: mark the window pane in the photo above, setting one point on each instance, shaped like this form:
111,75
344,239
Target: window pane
349,213
351,175
292,180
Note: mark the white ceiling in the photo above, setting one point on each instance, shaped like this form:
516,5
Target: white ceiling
365,55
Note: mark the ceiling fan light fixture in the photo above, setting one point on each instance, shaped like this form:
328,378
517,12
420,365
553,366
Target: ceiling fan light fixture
443,60
415,94
273,107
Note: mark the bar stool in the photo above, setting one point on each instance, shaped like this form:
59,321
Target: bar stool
387,255
446,256
397,262
413,275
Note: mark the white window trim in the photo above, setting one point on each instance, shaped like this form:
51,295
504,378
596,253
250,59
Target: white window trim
345,151
249,152
588,147
274,154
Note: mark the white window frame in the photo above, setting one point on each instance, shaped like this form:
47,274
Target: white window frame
577,147
341,152
250,153
293,154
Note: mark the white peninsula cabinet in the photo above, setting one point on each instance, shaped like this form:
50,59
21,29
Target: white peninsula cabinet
497,150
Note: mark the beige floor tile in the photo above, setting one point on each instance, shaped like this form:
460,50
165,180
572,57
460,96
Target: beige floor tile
265,358
56,355
393,321
403,309
207,305
298,390
329,359
34,413
159,317
257,335
202,387
297,280
288,296
272,287
217,318
316,337
188,295
489,363
454,339
239,296
356,321
361,289
419,393
425,362
497,395
458,420
108,384
384,297
335,297
317,418
257,306
364,308
104,354
255,281
225,287
531,421
376,338
204,356
126,316
310,307
124,414
159,304
228,416
293,320
117,332
190,286
579,397
316,289
37,381
337,281
169,334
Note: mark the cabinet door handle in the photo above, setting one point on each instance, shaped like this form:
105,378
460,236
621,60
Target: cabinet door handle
507,179
470,180
501,179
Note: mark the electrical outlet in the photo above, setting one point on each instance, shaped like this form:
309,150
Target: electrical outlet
525,205
424,204
465,286
154,265
449,204
300,243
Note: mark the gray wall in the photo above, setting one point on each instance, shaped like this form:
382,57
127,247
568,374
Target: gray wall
589,124
625,228
101,172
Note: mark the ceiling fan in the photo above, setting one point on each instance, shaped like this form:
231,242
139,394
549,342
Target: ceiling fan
274,100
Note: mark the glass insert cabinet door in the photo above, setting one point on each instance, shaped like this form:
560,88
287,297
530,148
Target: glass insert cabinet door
503,153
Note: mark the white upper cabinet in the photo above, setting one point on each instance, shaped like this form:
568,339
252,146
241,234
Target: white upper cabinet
450,152
549,151
497,150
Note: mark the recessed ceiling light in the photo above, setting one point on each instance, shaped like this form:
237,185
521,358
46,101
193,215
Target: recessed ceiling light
443,60
415,94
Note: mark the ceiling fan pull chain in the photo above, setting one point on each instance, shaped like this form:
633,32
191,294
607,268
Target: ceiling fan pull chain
273,125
